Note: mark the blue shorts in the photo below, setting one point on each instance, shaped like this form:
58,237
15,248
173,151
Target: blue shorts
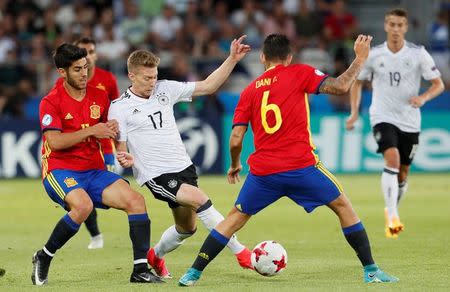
309,187
58,183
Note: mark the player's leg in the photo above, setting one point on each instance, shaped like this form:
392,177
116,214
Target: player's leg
92,226
315,186
256,194
172,238
114,192
408,146
387,137
67,192
216,241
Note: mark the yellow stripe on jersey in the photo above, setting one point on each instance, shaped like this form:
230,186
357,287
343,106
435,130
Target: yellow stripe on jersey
54,184
328,174
45,156
309,128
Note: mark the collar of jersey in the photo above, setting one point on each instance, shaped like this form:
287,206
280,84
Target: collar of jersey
137,97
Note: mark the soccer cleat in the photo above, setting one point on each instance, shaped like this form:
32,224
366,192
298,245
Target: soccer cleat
244,259
396,226
145,277
96,242
159,264
373,274
190,278
387,230
39,275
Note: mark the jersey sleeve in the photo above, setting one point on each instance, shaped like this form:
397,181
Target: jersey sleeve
310,77
49,116
113,89
180,91
242,113
115,113
427,66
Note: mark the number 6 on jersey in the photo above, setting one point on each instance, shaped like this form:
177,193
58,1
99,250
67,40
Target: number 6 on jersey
266,107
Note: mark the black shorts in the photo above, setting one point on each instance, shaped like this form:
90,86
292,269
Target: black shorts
166,186
388,135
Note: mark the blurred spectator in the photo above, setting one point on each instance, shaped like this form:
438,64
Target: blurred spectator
110,48
439,45
308,24
278,21
134,27
164,27
248,20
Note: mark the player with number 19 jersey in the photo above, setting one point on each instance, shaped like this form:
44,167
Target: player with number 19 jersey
276,105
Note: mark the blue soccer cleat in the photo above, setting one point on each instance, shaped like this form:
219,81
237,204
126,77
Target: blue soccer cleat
190,278
373,274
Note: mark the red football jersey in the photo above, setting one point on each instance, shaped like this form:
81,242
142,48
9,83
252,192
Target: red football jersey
276,105
103,80
59,111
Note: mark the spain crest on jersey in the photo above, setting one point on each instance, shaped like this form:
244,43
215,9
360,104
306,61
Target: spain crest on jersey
95,111
70,182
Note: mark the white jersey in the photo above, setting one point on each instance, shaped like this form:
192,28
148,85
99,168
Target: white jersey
149,128
395,79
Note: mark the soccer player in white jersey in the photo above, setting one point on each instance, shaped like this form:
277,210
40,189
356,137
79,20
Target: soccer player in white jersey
157,154
395,69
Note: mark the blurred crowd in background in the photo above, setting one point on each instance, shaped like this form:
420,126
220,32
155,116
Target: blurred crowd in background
192,37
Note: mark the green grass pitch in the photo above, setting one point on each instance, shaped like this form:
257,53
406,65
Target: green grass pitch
319,257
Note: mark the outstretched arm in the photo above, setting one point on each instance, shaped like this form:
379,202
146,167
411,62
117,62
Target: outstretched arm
341,84
218,77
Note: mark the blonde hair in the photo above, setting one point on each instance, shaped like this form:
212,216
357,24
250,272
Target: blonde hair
142,58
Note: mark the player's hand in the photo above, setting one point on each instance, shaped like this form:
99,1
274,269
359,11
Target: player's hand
102,130
362,47
125,159
417,101
233,174
113,125
238,50
350,122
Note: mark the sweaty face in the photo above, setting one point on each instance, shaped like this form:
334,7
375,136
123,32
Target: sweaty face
91,54
395,27
143,80
76,75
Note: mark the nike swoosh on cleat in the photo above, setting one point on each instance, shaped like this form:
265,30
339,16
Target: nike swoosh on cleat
371,275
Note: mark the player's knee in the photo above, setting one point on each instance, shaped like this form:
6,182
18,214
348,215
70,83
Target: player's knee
81,209
135,202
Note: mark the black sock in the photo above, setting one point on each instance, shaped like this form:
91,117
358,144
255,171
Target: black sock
357,237
91,223
213,245
140,237
63,231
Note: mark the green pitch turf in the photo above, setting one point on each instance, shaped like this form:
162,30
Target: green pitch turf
319,257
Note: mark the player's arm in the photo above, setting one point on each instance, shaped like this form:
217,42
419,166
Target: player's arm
125,159
236,139
355,101
436,88
218,77
60,141
341,84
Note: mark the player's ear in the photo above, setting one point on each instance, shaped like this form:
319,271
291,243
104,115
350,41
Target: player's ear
62,72
288,60
262,58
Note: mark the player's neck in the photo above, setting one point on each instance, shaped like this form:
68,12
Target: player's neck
138,93
77,94
91,74
395,46
271,65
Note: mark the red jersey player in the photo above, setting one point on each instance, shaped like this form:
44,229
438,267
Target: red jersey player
73,118
284,163
105,81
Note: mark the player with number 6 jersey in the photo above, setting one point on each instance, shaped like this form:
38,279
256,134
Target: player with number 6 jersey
284,164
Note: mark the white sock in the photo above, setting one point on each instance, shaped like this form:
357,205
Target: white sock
389,185
170,240
210,218
402,188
